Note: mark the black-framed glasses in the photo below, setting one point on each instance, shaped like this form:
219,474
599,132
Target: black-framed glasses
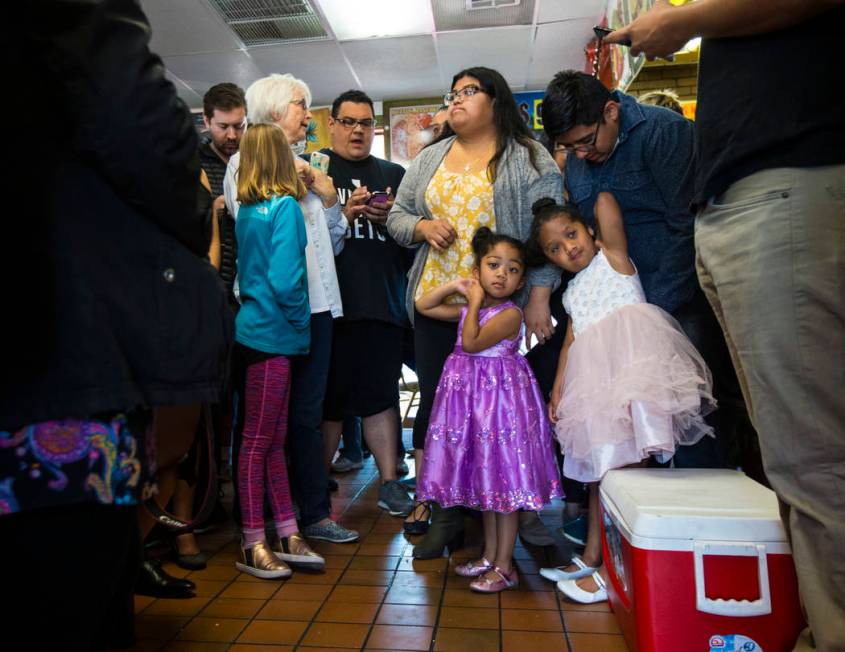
351,123
466,91
581,147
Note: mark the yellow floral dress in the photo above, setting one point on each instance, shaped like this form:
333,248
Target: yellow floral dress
466,201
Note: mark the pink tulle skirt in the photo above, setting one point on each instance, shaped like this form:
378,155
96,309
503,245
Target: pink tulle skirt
634,386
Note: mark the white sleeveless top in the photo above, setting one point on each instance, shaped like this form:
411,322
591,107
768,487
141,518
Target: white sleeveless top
597,291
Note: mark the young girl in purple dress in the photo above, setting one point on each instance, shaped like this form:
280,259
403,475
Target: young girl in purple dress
489,444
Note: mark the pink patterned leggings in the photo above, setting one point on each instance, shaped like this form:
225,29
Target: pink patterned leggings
262,454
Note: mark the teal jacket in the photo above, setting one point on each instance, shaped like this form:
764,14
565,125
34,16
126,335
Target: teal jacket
275,315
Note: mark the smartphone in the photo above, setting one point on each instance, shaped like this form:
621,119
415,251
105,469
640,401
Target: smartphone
601,32
378,199
320,162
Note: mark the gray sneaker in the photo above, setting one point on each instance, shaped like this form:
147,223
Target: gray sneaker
344,465
393,497
331,531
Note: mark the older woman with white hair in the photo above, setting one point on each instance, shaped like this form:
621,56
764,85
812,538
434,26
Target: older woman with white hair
284,101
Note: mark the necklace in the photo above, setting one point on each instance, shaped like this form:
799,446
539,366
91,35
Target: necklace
471,163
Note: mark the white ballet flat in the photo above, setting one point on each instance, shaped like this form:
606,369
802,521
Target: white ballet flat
559,574
574,592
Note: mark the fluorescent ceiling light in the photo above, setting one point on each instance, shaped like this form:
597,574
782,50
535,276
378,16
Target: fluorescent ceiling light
360,19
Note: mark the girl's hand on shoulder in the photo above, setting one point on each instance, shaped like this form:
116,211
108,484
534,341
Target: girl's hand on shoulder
475,293
462,286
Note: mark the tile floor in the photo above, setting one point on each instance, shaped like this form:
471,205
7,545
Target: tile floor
373,596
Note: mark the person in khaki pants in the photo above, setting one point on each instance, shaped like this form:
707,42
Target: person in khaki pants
770,243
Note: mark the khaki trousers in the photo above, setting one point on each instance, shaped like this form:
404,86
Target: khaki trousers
771,260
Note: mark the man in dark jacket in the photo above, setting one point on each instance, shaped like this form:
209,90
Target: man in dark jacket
110,291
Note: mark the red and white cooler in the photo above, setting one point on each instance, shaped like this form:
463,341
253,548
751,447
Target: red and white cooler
697,561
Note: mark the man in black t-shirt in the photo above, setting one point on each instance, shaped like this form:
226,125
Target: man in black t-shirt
770,237
367,341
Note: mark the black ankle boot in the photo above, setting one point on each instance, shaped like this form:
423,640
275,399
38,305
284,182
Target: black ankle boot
446,531
154,581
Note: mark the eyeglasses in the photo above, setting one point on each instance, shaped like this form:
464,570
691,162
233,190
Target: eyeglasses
581,147
302,104
466,91
350,123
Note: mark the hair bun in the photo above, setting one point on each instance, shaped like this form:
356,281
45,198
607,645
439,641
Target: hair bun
542,203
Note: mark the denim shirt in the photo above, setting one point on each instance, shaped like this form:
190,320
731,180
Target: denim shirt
649,174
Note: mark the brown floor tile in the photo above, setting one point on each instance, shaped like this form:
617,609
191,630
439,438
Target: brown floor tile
147,646
336,635
595,642
466,640
172,569
329,548
546,641
412,595
329,576
232,608
467,598
381,549
407,614
384,537
313,648
421,565
188,607
395,637
275,632
356,594
340,562
307,592
347,612
458,582
411,578
289,610
591,622
528,600
224,557
159,628
209,588
194,646
218,572
535,583
142,602
373,563
212,629
251,589
367,577
249,647
471,617
531,620
567,605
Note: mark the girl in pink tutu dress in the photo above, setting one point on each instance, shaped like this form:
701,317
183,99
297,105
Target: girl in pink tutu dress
489,444
629,383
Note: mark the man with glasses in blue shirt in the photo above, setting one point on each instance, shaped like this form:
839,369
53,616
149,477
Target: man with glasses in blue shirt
642,155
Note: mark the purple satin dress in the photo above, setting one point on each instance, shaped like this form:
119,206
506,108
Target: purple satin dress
489,443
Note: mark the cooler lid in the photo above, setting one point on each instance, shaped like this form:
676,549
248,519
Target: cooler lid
651,505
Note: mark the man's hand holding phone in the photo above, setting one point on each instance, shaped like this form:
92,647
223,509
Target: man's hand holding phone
356,204
378,206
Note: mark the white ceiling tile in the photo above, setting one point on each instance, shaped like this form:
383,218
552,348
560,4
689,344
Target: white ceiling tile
319,64
185,26
202,71
506,49
559,46
185,92
395,67
552,10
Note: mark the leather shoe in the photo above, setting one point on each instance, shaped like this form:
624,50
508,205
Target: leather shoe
154,581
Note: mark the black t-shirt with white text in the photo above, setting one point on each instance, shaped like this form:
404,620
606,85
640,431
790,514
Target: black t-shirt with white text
371,268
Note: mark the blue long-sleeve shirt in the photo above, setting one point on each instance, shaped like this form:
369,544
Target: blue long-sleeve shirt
275,314
649,174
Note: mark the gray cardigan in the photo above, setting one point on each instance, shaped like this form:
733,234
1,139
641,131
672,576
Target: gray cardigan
518,185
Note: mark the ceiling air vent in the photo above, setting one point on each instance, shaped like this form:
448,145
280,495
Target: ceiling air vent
452,15
491,4
271,22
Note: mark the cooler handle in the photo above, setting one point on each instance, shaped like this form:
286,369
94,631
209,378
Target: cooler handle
719,607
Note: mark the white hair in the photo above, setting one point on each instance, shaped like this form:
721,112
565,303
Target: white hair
271,96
